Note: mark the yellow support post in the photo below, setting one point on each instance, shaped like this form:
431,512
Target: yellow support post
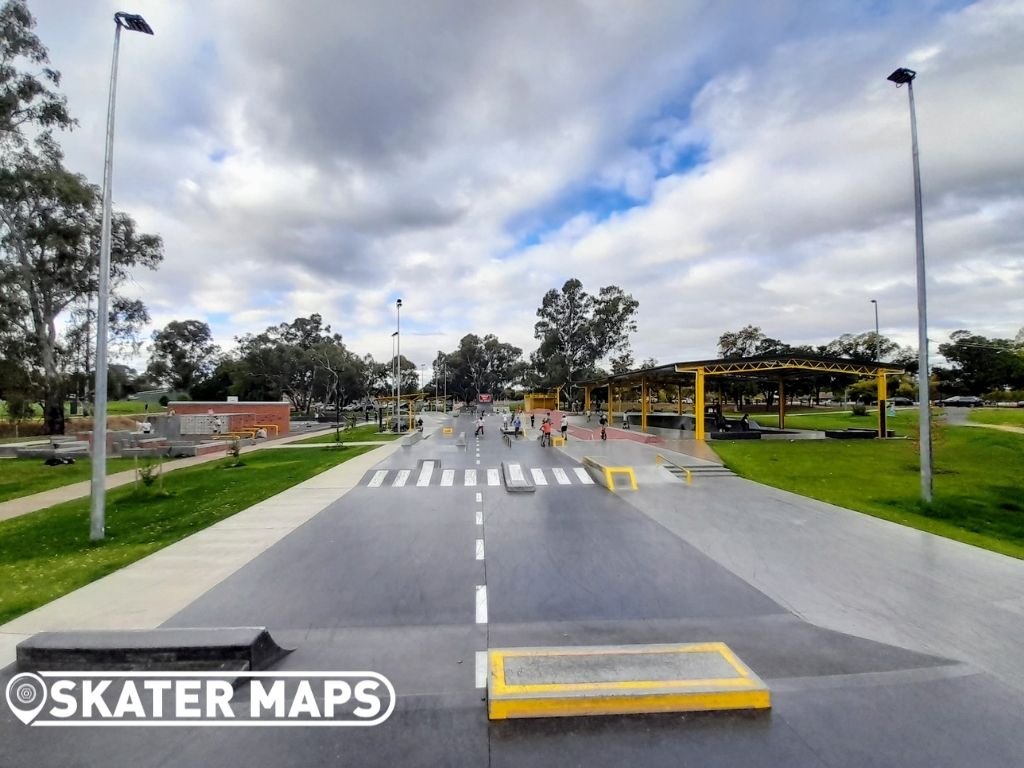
679,399
782,404
643,405
698,404
882,427
610,396
586,398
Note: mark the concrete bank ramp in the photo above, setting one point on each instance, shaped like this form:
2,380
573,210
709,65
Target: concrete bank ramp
237,649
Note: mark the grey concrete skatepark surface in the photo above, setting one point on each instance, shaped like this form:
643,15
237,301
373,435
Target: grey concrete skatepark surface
882,646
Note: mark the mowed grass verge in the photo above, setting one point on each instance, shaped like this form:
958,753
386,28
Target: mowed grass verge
23,477
978,480
46,554
350,435
903,423
1010,417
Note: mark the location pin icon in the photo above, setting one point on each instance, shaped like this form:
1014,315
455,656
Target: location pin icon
26,695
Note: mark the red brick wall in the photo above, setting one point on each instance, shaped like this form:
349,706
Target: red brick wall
249,414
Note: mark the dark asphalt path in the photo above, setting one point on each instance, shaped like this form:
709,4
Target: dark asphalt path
387,579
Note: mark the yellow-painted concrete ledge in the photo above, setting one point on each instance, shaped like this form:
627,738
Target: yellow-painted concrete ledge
740,690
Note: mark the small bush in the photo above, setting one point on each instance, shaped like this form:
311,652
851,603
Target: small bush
859,409
148,471
164,400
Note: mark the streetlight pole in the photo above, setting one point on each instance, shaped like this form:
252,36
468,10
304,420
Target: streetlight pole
878,342
398,366
900,77
394,370
97,522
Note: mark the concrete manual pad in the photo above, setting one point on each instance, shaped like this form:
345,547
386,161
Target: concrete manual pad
624,679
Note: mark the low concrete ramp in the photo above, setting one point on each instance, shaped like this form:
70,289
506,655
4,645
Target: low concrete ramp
614,680
221,648
516,479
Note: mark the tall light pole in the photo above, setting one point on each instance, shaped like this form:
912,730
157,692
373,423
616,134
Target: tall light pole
398,365
97,524
878,341
444,409
906,77
394,372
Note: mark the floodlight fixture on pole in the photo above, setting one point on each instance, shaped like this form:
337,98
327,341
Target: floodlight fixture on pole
906,77
878,341
97,523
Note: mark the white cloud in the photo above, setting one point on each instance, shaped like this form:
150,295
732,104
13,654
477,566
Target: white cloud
336,159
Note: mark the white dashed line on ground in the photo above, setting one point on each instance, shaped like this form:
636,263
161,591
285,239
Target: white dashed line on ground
400,478
447,478
481,669
479,549
538,476
560,476
479,517
470,478
492,477
479,496
481,604
378,478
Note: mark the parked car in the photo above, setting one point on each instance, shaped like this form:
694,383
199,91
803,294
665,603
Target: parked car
962,401
901,400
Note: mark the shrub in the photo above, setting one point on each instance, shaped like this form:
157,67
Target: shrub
859,409
164,400
148,472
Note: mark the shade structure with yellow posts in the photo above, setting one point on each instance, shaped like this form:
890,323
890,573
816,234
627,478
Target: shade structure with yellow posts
541,401
778,369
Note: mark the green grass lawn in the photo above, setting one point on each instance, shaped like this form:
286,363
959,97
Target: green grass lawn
1012,417
978,480
351,435
46,554
904,423
23,477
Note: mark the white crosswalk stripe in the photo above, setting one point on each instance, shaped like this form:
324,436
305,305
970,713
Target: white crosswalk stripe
430,474
425,473
583,475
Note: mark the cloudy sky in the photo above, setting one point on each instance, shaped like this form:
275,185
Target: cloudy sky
727,163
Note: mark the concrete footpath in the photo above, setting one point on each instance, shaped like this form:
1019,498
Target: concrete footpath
147,593
25,504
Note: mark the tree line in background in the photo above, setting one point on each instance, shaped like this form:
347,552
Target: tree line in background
50,220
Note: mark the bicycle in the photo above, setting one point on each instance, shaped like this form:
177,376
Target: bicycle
604,434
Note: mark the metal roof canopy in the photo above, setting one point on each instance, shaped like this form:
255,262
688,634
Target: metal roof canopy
777,368
767,367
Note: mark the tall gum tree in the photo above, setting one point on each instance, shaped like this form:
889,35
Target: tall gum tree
576,330
49,255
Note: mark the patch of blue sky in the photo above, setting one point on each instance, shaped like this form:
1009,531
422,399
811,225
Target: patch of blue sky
218,155
596,199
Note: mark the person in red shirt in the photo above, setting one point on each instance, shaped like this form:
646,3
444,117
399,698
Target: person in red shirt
546,433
